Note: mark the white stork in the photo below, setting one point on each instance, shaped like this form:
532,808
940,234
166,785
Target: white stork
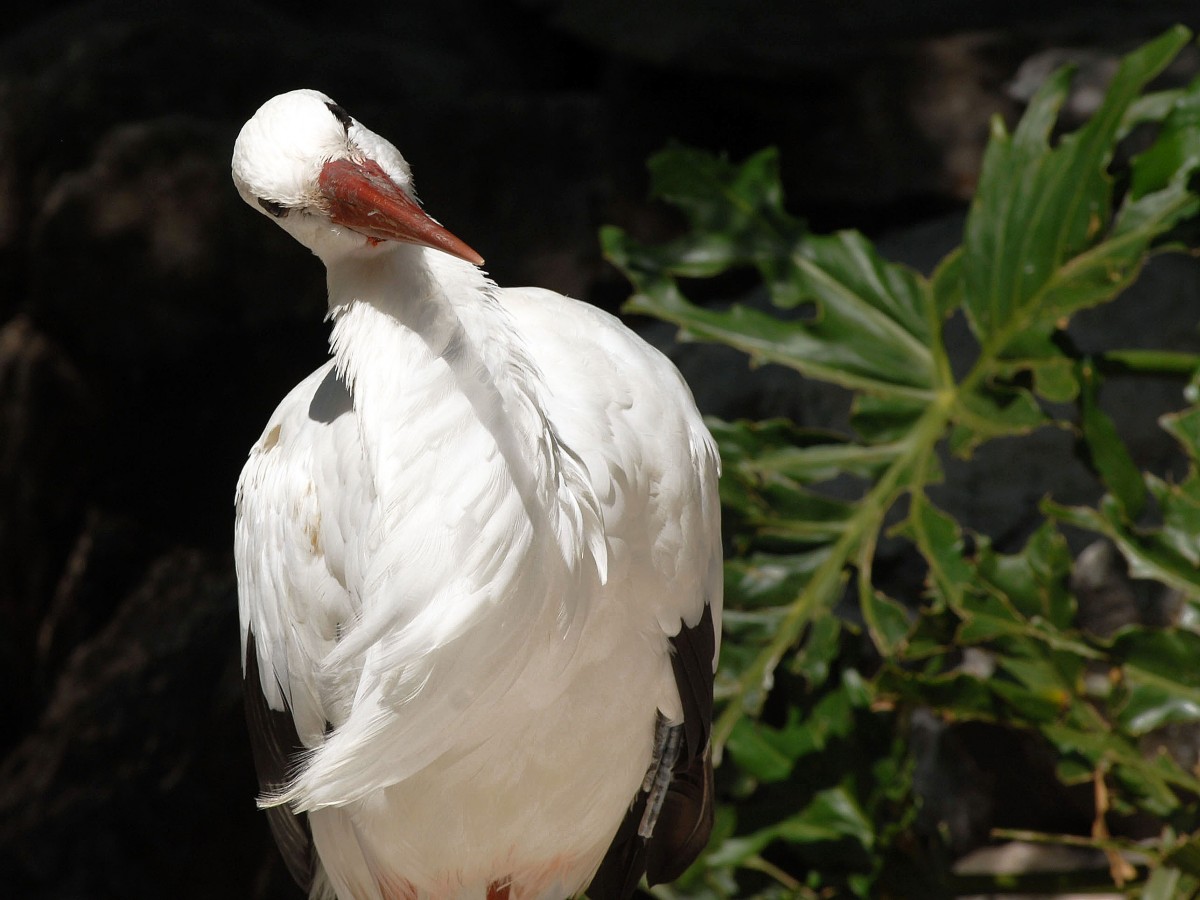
479,563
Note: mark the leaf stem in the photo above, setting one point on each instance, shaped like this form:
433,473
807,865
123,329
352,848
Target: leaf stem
759,864
1065,840
909,465
1147,362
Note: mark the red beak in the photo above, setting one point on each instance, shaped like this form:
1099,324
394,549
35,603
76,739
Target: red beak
363,198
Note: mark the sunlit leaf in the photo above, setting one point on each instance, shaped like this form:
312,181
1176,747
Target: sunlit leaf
1038,206
872,322
854,605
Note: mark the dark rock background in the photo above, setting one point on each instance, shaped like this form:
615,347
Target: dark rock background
149,322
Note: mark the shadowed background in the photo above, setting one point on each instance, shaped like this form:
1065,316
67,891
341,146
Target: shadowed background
149,321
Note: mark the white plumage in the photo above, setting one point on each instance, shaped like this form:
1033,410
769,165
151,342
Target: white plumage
478,559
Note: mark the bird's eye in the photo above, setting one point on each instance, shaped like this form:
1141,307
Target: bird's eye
341,115
278,210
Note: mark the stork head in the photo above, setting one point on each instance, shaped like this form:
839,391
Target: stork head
334,185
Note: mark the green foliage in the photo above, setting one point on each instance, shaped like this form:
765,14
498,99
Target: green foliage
823,669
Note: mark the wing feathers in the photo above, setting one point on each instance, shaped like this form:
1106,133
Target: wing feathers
275,745
692,661
625,862
685,821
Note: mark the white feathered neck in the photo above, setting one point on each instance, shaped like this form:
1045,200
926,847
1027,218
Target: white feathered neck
442,384
411,324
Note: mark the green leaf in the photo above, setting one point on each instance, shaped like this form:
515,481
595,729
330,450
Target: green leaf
770,754
940,541
833,814
815,657
994,637
1184,859
827,349
1054,379
1185,427
1035,351
1175,154
1035,580
1159,667
1025,703
768,580
763,752
1152,779
1037,207
1163,884
988,414
743,202
886,420
946,285
887,620
735,211
885,305
1156,554
872,319
959,695
776,447
1180,505
1107,450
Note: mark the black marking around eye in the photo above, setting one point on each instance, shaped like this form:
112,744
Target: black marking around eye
278,210
341,115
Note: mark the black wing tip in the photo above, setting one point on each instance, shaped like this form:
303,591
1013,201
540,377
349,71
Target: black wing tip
622,868
275,744
680,836
692,652
685,824
686,820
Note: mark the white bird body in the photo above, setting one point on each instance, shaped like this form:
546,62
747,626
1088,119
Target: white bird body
467,549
